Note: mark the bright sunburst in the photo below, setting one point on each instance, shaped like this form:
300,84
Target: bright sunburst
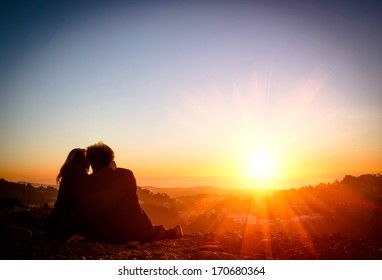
261,166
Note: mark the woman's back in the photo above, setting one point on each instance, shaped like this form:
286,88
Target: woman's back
62,221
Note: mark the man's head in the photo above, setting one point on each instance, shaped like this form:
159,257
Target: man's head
100,155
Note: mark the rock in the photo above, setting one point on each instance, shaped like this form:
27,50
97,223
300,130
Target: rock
209,255
209,248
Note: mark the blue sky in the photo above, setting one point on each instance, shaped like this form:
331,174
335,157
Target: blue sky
190,88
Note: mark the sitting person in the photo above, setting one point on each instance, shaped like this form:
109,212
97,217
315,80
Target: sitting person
62,222
110,208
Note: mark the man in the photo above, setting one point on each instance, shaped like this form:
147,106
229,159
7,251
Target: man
111,211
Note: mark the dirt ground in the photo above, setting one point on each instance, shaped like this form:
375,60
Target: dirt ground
202,246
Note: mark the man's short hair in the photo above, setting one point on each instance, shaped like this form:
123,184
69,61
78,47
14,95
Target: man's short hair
100,154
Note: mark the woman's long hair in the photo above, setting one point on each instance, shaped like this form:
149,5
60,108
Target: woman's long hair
74,158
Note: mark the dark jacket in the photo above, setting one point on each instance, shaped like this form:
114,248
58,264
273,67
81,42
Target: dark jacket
111,211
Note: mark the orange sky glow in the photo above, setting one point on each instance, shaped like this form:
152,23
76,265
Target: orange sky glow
188,100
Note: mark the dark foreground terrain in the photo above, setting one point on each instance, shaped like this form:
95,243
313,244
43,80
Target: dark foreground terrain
17,243
350,228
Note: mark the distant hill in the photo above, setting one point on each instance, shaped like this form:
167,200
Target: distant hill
207,190
27,193
36,185
178,192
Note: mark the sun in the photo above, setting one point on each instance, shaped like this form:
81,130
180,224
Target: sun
261,166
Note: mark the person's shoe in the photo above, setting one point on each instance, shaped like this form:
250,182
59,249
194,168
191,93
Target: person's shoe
174,233
159,232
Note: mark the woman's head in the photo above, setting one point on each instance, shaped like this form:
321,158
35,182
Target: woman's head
76,158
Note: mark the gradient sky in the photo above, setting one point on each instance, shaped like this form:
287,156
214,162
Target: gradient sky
185,91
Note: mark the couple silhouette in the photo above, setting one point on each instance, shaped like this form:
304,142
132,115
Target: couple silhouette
100,207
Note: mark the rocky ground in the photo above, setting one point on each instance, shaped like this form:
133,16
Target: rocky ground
17,243
202,246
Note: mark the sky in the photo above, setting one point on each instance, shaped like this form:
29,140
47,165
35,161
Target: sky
187,93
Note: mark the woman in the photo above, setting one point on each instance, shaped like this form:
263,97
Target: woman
62,222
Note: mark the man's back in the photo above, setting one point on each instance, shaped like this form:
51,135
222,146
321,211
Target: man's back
112,211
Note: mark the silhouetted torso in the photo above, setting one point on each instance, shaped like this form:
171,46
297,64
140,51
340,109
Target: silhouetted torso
63,220
110,209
